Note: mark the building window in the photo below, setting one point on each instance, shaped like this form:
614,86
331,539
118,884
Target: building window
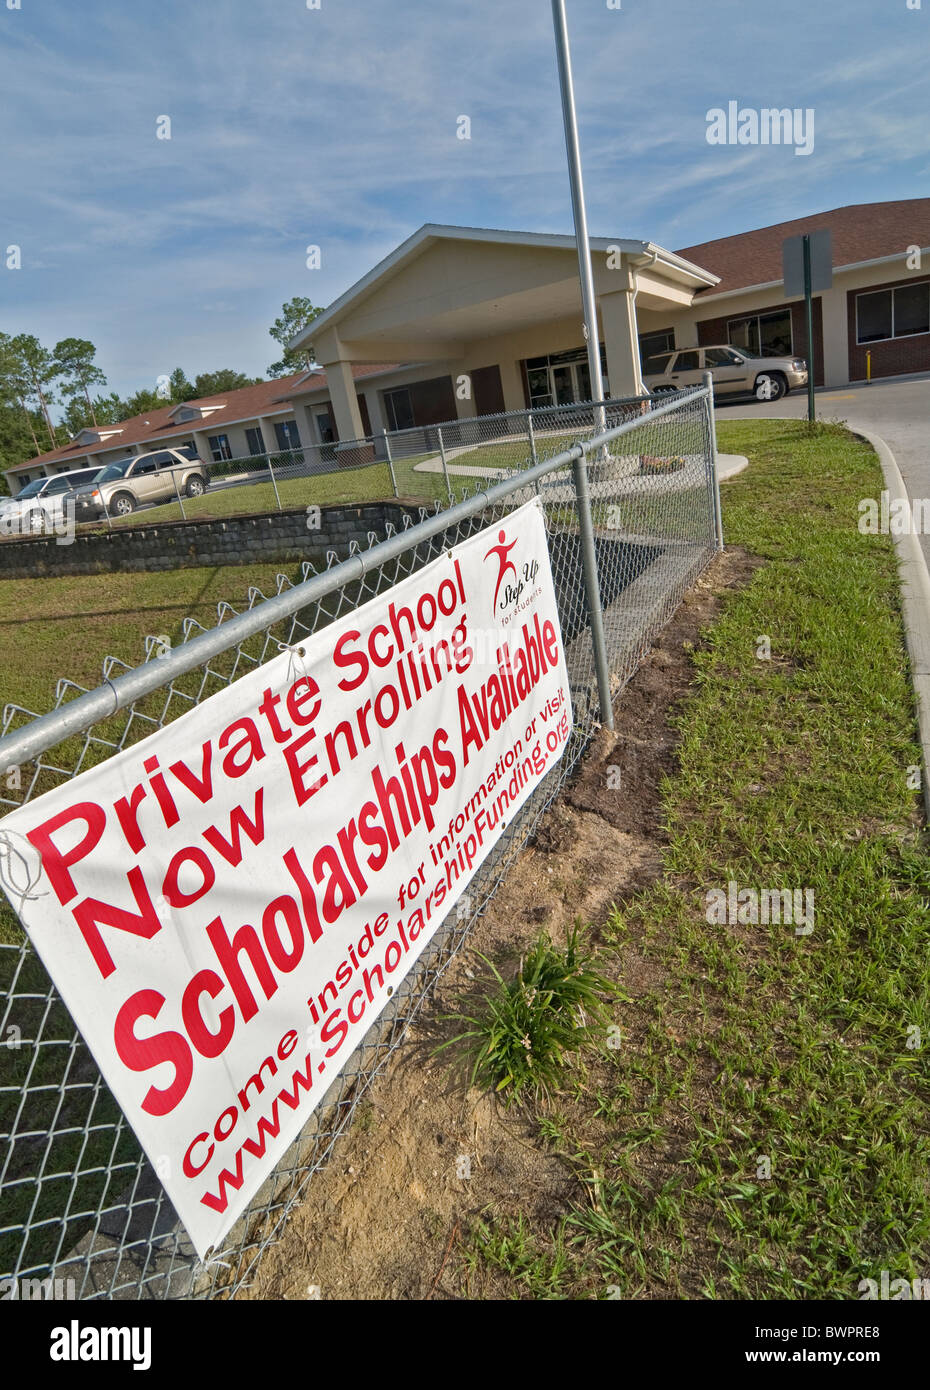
897,313
219,447
763,335
254,442
287,434
324,423
562,378
652,343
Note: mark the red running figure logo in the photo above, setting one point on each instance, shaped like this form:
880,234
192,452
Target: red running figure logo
502,551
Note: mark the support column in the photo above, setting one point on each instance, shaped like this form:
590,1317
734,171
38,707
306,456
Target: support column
203,444
618,318
835,338
512,383
269,438
342,394
375,415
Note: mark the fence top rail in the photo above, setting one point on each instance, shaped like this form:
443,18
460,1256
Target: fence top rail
118,693
509,415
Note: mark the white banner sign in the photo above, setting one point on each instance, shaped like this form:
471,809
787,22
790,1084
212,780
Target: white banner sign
228,905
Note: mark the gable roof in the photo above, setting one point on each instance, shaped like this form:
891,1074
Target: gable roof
432,232
861,232
161,426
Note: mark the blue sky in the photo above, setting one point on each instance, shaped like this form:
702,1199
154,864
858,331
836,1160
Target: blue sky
337,127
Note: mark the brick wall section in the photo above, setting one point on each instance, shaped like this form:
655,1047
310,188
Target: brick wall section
711,331
273,537
894,356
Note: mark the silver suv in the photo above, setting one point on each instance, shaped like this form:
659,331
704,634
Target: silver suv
734,371
142,479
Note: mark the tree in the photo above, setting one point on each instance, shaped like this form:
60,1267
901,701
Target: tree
295,315
41,370
181,388
144,402
74,360
215,383
17,436
14,387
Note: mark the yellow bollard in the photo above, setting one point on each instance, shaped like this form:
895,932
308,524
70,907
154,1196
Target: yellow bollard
868,366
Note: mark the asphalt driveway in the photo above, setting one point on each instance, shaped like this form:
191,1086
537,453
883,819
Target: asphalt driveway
897,409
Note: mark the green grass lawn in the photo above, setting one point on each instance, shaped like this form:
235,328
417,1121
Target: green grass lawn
63,628
762,1132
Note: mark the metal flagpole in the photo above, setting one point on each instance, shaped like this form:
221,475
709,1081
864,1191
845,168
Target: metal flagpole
585,519
578,206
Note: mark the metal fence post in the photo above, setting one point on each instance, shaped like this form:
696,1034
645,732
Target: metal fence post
174,479
445,468
531,434
390,462
593,589
274,483
712,426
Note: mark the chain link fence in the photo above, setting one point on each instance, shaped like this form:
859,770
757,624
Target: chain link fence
427,463
632,519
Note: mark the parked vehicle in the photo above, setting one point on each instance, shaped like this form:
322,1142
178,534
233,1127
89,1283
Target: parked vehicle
43,503
734,371
141,480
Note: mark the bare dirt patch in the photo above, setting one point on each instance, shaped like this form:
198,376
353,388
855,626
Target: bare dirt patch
382,1220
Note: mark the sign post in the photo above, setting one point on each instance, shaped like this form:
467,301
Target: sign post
807,266
809,316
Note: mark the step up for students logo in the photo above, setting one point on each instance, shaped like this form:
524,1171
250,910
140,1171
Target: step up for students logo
228,905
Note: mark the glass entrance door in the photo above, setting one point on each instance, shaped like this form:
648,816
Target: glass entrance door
583,382
571,382
562,378
563,385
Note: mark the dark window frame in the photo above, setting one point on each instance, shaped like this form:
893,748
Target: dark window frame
892,291
283,430
758,318
258,438
218,443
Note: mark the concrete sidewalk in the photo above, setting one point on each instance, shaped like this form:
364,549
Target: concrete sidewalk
728,465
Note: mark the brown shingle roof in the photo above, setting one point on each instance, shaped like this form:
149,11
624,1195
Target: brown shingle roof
861,232
268,397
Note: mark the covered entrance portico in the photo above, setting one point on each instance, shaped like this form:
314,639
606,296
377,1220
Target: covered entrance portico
487,321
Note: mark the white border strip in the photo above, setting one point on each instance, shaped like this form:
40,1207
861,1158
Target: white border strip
915,600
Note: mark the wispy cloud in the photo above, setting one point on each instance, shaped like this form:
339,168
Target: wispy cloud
338,127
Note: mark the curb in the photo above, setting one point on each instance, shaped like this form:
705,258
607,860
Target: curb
729,465
915,601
